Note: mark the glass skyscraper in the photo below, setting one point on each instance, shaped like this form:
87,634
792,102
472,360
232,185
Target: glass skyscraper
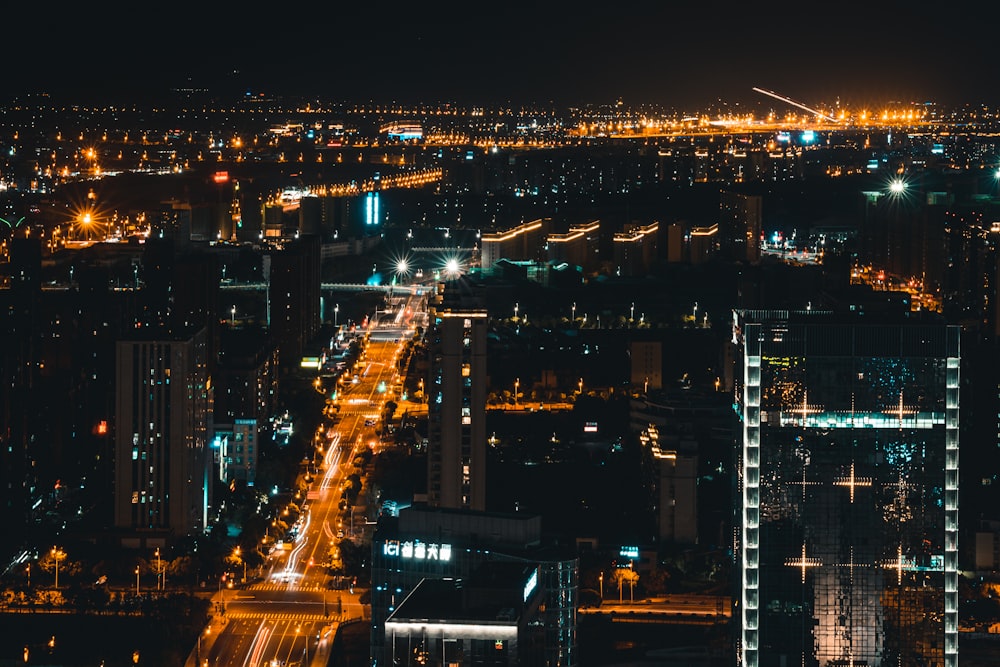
847,532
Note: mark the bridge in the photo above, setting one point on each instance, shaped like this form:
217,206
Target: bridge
416,290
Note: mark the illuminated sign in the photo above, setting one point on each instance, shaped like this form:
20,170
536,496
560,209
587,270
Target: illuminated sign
220,176
371,208
310,362
590,427
808,136
530,585
629,552
416,550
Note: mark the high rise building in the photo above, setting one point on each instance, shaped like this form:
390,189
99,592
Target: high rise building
293,277
740,226
847,532
522,243
635,249
456,395
579,246
164,403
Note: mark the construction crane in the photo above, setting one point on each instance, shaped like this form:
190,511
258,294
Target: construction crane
776,96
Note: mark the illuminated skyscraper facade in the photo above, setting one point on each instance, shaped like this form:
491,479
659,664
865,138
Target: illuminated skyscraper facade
847,533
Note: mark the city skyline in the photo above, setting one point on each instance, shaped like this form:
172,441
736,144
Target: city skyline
559,53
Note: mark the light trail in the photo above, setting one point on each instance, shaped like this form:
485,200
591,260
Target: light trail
257,647
796,104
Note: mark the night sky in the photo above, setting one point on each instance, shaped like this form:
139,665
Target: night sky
684,55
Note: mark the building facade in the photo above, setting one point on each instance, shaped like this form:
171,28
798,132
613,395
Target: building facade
430,546
847,532
456,400
162,480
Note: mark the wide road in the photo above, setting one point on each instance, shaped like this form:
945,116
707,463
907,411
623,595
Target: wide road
290,616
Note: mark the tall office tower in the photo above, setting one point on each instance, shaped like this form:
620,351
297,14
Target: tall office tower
293,296
740,224
164,403
456,396
847,534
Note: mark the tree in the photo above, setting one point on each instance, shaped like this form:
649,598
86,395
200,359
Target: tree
625,577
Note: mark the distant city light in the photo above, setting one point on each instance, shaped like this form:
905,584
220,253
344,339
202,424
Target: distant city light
897,186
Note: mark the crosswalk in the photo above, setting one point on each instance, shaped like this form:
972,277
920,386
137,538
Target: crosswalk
286,616
283,586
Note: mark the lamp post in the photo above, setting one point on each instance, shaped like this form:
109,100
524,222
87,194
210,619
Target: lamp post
57,555
158,568
137,581
600,583
232,322
580,385
631,312
573,310
517,385
239,554
336,309
515,310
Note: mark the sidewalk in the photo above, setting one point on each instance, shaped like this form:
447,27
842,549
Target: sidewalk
206,640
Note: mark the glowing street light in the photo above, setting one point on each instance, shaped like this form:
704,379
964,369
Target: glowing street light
233,320
239,554
517,385
137,581
57,555
631,312
574,311
897,186
336,310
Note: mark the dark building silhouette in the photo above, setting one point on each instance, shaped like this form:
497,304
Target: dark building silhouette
293,276
456,397
163,418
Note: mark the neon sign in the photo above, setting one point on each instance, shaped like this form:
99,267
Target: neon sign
416,550
529,585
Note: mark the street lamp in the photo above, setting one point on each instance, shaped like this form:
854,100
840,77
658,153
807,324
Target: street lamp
631,312
159,569
580,385
137,581
233,321
57,555
517,384
336,309
239,554
515,311
600,583
574,311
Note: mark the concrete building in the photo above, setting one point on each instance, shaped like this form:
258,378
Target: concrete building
456,398
164,406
